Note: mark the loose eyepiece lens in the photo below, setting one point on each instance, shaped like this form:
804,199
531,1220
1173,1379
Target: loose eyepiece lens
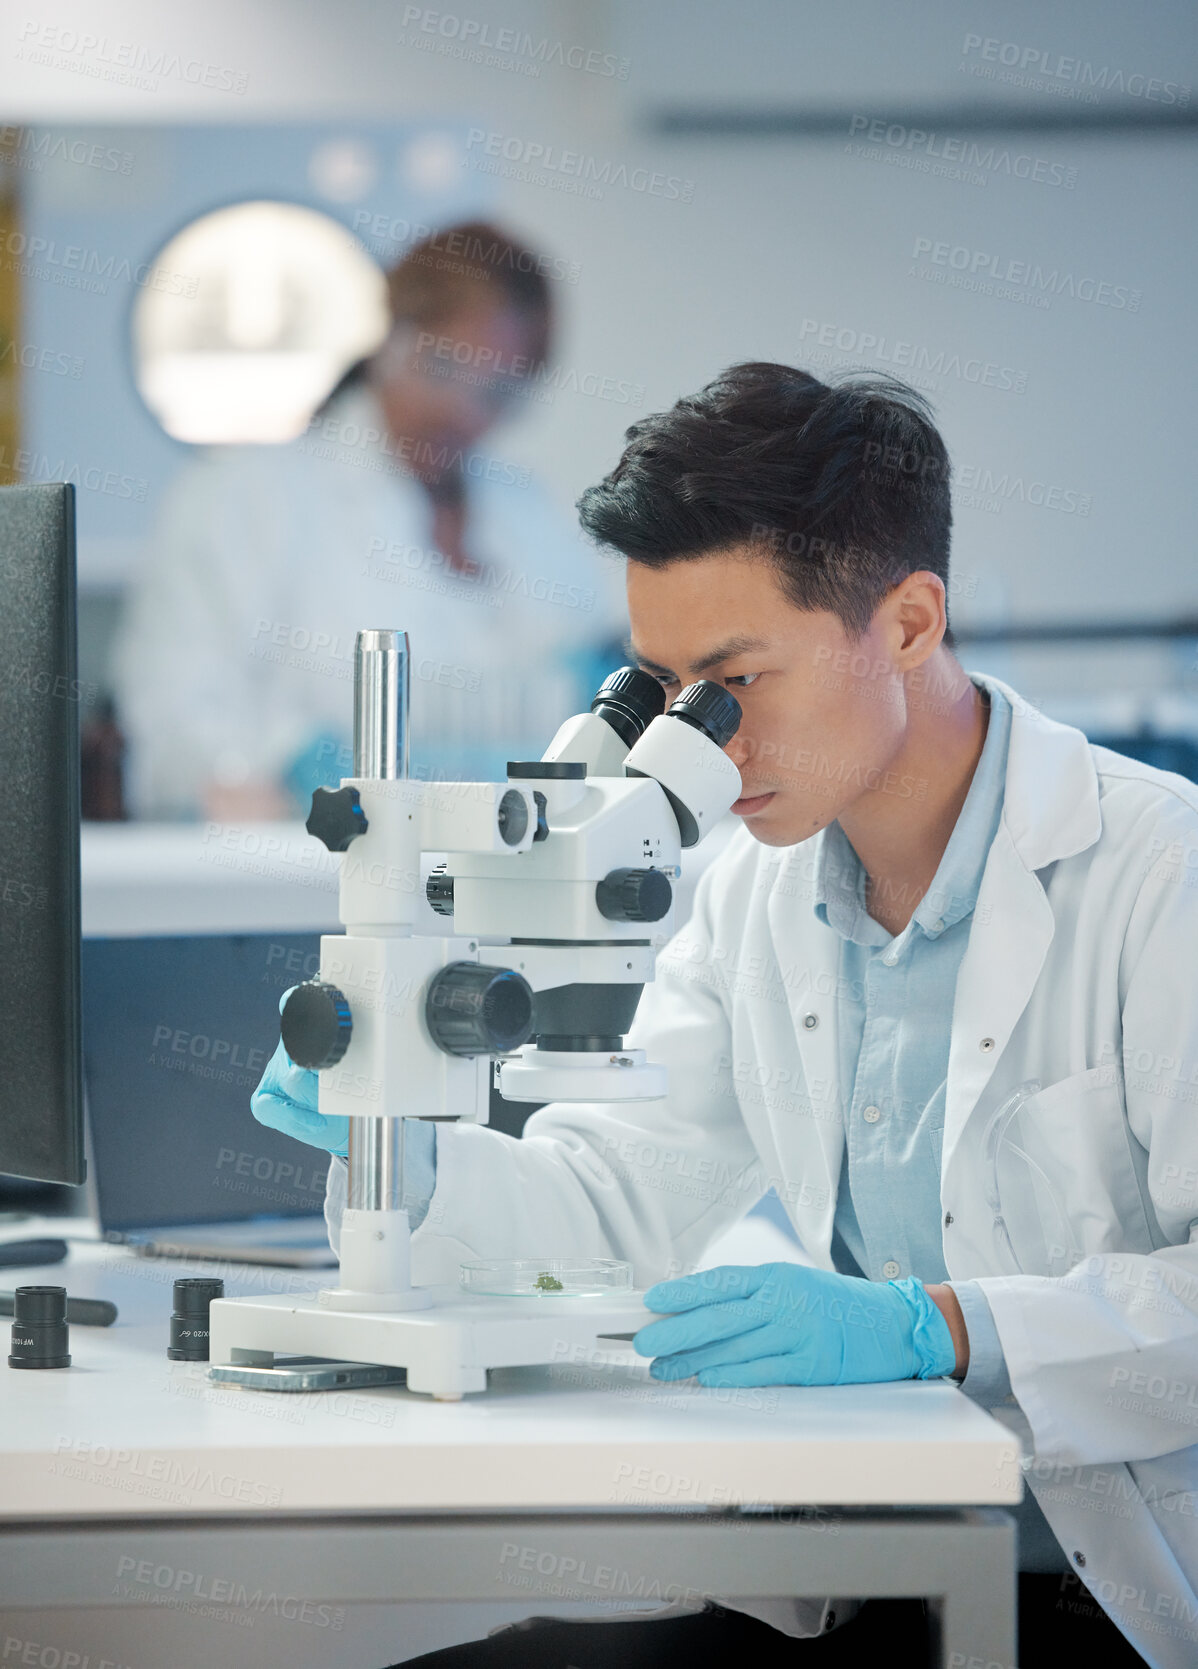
189,1317
39,1328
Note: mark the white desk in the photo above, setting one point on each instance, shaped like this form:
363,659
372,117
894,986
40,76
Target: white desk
130,1483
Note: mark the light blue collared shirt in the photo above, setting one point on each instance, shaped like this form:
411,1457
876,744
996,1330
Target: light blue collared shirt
894,1015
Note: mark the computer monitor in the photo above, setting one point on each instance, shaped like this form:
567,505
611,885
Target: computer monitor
177,1032
41,1092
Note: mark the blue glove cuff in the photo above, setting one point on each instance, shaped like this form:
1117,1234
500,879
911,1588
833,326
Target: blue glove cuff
931,1339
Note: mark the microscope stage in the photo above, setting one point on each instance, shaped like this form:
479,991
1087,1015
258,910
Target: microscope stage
446,1348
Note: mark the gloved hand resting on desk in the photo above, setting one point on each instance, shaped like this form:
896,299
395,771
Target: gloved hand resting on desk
286,1100
786,1324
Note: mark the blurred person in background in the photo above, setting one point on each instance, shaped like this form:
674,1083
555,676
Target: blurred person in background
234,664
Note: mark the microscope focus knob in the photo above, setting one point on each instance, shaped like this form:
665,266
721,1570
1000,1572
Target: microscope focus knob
438,889
634,895
316,1025
474,1010
336,817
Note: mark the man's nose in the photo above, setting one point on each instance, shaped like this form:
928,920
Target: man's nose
740,750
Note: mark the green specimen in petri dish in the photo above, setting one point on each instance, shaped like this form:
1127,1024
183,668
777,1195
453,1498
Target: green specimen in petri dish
546,1277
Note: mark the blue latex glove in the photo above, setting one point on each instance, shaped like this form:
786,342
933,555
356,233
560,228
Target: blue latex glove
785,1324
286,1100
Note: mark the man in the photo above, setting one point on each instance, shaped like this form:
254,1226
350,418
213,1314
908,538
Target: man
936,992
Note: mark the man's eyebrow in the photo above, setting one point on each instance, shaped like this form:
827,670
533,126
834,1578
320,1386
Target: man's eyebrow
722,652
643,661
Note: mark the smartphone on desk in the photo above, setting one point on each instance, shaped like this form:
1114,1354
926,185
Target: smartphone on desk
308,1373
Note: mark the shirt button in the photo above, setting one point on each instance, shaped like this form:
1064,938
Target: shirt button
986,1045
871,1115
948,1219
890,1269
810,1022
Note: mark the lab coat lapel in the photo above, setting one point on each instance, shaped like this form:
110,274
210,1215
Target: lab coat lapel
1008,941
1050,811
808,957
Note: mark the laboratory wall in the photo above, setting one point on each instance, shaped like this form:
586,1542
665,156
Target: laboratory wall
995,204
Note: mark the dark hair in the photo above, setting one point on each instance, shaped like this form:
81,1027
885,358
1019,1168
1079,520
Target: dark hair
460,267
844,487
469,265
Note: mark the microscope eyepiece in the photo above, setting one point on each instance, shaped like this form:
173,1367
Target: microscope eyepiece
629,700
699,779
711,708
39,1329
189,1316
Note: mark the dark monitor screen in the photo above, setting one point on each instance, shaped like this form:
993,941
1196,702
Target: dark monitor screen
176,1033
41,1099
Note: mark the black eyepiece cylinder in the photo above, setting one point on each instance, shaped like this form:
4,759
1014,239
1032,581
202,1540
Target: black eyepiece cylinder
711,708
629,700
39,1328
189,1318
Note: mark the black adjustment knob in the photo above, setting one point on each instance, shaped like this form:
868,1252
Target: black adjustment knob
474,1010
39,1328
316,1025
438,889
336,817
542,829
711,708
189,1317
629,700
634,895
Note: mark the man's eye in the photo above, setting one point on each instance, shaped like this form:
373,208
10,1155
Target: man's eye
743,680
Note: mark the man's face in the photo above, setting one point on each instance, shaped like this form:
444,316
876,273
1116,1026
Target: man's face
824,713
441,390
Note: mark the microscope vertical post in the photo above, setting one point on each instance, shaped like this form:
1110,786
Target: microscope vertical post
382,688
375,1237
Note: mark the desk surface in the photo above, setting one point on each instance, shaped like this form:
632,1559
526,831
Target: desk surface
126,1433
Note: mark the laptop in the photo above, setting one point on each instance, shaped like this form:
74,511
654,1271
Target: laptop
176,1033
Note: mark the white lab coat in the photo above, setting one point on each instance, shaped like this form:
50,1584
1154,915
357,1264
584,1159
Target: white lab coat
1080,972
237,647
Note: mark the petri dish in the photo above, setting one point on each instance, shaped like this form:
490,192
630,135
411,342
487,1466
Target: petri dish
545,1277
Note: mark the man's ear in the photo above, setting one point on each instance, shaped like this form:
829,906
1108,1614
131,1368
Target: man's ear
919,618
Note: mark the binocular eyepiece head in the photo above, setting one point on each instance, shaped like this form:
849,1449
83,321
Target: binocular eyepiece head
630,699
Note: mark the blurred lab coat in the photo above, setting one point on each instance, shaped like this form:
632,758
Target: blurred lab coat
235,659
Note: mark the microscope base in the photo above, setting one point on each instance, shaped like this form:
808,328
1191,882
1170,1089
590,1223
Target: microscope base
446,1348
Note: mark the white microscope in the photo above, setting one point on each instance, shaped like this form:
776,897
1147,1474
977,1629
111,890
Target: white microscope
559,883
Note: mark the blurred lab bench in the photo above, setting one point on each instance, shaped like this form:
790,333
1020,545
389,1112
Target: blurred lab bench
147,879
